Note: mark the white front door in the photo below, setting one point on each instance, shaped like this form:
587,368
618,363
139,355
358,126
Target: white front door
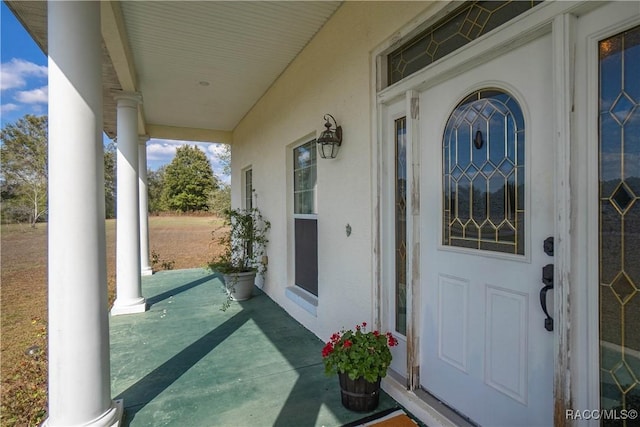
486,209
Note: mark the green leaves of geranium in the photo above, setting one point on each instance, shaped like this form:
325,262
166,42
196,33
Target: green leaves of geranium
359,353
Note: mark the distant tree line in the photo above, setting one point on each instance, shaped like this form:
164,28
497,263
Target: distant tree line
187,184
23,170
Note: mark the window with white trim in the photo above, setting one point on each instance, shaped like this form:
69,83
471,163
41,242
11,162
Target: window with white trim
248,189
305,217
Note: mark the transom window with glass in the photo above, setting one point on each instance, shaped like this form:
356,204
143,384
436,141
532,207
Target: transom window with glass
483,174
470,21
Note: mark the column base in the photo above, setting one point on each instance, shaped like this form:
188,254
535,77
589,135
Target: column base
147,271
111,418
129,307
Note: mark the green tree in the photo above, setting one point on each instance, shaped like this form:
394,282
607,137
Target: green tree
220,199
110,180
224,156
188,180
23,157
155,185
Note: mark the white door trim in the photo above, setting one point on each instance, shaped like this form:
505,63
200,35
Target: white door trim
563,40
412,109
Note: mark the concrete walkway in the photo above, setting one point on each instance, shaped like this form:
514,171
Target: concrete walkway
184,362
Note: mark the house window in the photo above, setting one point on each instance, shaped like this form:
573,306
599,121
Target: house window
465,24
483,174
248,189
304,179
305,217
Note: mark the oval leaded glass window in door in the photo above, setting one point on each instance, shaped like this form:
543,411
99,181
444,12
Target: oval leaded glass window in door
483,174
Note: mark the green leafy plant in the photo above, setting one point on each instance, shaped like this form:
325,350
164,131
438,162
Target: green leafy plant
245,244
359,353
244,247
164,264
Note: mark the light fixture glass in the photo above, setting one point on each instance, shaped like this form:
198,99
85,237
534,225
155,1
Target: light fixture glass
330,139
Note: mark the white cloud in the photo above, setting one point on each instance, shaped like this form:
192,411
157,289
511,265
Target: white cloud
33,96
159,149
5,108
14,74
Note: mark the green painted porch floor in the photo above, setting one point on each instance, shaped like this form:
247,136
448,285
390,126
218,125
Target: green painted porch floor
184,362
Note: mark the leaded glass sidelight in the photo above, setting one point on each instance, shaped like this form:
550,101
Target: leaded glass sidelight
483,174
401,224
619,228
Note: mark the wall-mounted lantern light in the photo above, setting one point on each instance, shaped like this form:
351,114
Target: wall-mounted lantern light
330,139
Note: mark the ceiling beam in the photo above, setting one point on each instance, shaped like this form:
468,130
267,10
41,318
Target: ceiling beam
189,134
114,34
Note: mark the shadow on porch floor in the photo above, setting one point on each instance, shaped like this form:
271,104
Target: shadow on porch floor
184,362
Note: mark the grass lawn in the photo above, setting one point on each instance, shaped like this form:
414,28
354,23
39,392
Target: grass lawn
182,241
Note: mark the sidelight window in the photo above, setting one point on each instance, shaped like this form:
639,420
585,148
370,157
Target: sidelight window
619,205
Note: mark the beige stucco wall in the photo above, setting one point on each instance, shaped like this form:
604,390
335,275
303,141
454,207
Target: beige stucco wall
332,75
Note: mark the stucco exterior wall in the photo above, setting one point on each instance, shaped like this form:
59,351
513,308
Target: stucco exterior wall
331,75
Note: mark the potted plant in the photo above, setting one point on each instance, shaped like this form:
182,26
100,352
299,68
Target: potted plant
360,359
244,252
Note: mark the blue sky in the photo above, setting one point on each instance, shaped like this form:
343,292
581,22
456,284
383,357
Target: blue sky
24,90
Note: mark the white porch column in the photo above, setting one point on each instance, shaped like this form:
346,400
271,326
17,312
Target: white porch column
129,297
145,267
79,372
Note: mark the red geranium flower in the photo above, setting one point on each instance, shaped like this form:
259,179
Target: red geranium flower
359,353
327,350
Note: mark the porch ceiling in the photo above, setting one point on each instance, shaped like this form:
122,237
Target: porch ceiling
200,66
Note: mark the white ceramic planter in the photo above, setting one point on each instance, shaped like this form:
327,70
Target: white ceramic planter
240,285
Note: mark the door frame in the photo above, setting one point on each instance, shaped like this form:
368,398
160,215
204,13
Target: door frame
559,19
405,105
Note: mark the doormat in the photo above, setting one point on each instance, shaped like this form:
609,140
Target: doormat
389,418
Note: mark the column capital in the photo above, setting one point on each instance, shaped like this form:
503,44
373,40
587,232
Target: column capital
142,139
133,97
